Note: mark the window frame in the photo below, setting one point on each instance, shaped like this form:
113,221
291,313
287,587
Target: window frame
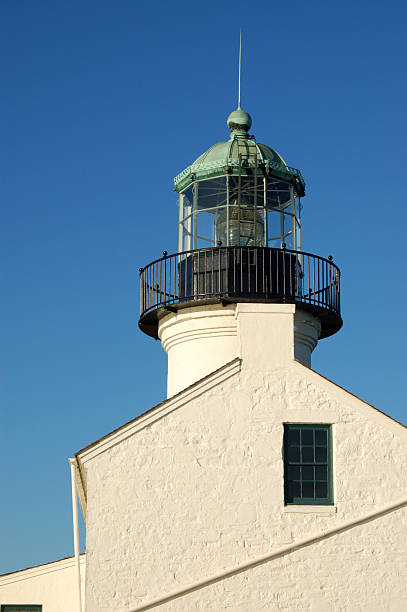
308,501
22,607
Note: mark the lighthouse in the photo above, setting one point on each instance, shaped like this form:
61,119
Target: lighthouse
239,254
257,484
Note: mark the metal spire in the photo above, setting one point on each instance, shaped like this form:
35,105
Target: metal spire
240,65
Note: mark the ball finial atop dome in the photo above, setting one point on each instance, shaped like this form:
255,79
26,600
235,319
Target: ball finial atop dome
239,121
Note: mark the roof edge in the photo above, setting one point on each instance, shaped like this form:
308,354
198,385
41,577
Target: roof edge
44,565
157,412
206,170
395,421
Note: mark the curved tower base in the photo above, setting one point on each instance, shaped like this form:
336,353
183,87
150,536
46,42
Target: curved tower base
200,339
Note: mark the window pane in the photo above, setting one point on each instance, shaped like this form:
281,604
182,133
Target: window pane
321,472
321,489
296,489
294,472
293,489
308,454
293,436
308,489
320,437
320,454
308,472
294,453
307,436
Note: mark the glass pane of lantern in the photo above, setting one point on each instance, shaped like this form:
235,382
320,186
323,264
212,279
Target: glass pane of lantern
211,193
185,229
245,225
277,193
280,207
241,191
286,224
204,229
189,197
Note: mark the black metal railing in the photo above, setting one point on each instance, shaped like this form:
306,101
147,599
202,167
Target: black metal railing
241,274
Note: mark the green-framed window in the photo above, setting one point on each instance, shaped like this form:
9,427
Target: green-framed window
21,608
308,464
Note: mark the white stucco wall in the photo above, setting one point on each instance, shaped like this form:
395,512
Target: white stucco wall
200,339
357,571
52,585
197,341
196,488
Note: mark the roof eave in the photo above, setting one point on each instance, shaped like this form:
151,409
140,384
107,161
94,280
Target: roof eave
148,417
191,174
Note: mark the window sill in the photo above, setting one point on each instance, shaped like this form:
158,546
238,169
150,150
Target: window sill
310,509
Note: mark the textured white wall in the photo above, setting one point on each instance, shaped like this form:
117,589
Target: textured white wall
52,585
201,339
198,341
361,570
201,490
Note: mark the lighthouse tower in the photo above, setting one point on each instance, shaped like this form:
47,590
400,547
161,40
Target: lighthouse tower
239,285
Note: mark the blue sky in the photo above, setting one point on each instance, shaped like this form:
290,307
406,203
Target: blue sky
103,103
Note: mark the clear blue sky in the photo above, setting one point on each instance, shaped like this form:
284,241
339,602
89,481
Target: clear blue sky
102,104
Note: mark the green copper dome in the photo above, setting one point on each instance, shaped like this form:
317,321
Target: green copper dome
224,157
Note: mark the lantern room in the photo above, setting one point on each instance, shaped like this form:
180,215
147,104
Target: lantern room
239,237
239,193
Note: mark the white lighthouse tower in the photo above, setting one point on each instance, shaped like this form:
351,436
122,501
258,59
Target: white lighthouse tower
239,277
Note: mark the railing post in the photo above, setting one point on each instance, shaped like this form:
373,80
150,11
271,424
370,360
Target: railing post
219,275
142,309
176,281
165,253
283,246
330,281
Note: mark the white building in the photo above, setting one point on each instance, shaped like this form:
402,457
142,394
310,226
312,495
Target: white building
258,484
